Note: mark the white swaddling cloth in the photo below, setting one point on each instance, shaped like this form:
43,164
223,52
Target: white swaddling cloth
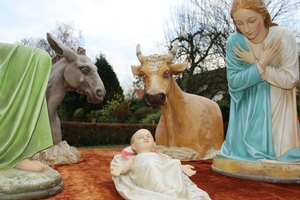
155,176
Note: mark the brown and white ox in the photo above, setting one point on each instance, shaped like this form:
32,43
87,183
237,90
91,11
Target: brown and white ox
186,120
74,71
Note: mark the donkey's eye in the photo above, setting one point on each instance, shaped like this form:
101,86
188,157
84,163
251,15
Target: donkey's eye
85,70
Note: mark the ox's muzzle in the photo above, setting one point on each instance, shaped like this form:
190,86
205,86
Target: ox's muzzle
156,99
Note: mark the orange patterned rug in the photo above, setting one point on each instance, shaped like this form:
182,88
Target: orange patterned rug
90,179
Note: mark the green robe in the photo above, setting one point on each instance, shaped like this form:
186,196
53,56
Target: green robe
24,123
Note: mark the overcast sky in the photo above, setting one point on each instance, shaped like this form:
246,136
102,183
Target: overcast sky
110,27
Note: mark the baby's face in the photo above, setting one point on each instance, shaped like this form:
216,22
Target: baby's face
143,141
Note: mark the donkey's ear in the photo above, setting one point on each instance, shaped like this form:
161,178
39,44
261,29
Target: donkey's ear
61,49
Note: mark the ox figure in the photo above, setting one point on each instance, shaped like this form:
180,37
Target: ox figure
72,71
186,120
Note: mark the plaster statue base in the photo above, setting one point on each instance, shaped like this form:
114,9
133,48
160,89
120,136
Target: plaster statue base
60,154
184,153
23,184
258,171
180,153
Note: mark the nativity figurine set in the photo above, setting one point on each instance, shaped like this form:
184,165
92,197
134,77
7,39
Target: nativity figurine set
262,141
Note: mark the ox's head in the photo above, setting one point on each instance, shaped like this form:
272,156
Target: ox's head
157,71
80,74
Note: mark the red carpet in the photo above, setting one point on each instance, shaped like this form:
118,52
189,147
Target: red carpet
90,179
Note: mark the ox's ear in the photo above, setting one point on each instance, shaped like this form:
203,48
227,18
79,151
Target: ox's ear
136,69
178,67
61,49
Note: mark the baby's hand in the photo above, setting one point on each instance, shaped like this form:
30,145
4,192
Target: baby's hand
187,169
115,171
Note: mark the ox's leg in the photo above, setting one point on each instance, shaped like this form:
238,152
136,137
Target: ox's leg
218,132
161,139
161,134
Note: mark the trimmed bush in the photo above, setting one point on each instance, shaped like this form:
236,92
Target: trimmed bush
152,118
96,134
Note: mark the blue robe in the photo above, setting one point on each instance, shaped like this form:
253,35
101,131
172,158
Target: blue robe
249,134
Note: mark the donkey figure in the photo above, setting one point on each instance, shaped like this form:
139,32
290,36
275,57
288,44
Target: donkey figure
71,71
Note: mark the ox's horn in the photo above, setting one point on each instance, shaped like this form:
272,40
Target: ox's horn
171,55
139,53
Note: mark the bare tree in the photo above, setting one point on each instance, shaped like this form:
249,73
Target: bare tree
64,32
202,28
135,85
283,11
37,42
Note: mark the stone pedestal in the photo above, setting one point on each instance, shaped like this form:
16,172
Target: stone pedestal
23,184
258,171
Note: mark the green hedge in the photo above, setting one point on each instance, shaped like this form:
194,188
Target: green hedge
95,134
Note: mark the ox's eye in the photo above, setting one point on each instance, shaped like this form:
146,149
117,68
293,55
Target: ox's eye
85,70
166,74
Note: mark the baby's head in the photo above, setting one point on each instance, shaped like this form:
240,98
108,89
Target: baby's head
142,141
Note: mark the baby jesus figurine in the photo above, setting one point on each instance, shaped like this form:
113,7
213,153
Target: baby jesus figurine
148,174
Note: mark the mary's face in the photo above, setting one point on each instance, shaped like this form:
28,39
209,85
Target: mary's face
250,24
